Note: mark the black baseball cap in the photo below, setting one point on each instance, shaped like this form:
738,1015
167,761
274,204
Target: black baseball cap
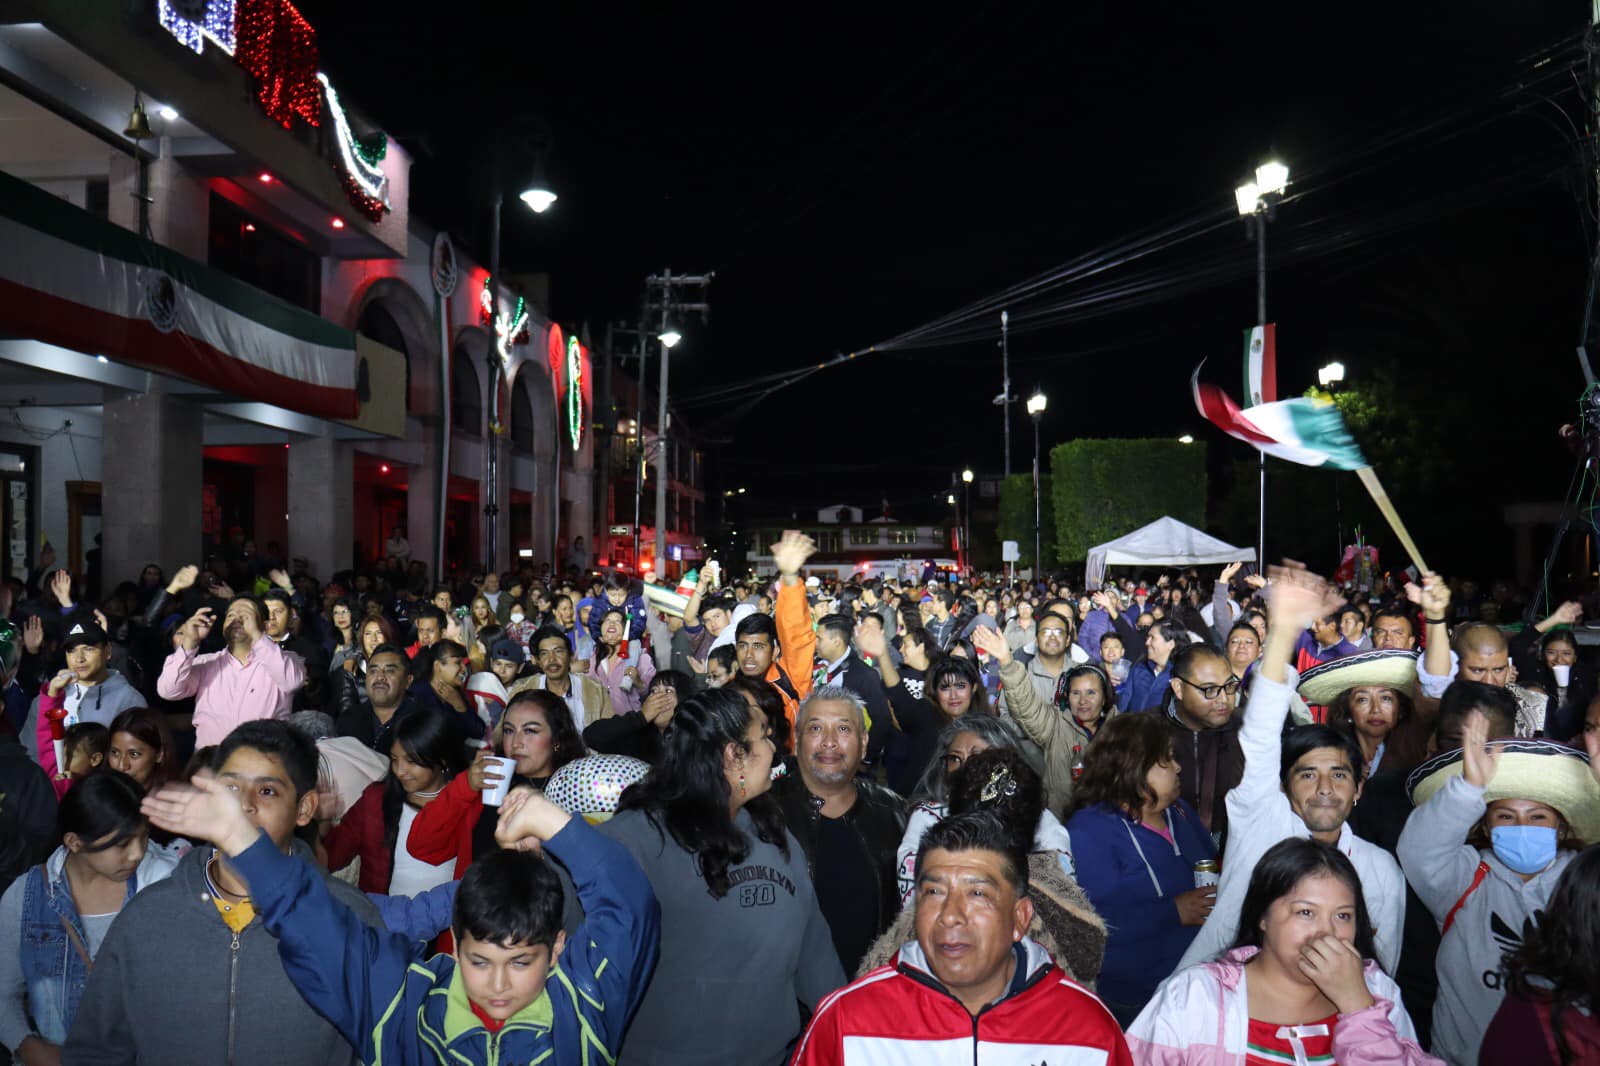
85,633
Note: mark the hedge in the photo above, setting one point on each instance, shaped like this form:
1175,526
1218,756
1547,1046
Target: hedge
1103,489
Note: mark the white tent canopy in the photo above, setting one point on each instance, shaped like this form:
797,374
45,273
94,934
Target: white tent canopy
1164,542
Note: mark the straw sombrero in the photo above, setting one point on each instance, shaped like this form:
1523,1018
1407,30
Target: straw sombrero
1390,668
1538,770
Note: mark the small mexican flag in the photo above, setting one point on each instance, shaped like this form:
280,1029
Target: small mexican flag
1261,364
1302,430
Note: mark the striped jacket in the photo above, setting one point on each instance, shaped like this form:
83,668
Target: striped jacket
399,1011
900,1013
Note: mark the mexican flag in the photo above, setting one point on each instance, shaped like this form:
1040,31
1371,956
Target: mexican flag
1261,364
1302,430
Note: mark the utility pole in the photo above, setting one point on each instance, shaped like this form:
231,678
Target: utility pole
642,352
491,508
1005,379
1261,456
666,285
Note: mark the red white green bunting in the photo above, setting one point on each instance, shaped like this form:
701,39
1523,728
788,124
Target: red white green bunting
71,279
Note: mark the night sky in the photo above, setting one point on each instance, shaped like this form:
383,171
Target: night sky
851,176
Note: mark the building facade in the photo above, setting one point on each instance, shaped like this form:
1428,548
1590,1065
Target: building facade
217,316
851,545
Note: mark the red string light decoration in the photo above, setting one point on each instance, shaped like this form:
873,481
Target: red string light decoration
279,49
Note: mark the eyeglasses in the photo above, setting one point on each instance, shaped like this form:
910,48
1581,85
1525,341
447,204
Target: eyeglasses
1211,692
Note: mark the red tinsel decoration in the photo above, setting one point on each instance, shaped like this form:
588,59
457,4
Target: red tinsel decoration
279,49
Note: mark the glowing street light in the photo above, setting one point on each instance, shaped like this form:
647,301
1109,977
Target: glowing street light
1331,374
1187,438
670,338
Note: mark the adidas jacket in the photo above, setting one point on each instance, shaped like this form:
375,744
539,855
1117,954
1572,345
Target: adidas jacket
1201,1017
900,1013
1492,920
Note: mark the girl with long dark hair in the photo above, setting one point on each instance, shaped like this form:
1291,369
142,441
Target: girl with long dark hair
741,936
1299,984
426,754
54,917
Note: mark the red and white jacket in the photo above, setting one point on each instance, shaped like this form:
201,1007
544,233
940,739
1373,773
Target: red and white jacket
900,1015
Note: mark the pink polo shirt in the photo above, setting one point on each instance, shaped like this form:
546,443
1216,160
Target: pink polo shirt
227,692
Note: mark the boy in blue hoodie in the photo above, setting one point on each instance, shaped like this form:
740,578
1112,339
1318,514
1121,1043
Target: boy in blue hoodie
515,990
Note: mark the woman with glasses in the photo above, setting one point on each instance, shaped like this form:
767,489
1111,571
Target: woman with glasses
1146,842
959,741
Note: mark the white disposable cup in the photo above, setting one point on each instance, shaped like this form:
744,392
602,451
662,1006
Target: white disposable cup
494,793
1563,674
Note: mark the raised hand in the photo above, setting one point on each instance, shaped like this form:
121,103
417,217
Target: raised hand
871,641
61,587
792,551
1255,581
206,809
100,620
527,819
1479,758
1568,614
182,579
1336,968
1229,572
280,579
1435,602
222,590
1299,597
33,634
986,639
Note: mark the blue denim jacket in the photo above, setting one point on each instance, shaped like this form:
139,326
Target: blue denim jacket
51,967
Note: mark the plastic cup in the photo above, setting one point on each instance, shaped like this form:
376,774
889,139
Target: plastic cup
494,793
1563,674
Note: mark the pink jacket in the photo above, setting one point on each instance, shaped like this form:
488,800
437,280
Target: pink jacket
227,692
1200,1017
47,746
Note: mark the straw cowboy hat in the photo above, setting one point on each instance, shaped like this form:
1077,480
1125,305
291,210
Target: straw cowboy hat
1392,668
1538,770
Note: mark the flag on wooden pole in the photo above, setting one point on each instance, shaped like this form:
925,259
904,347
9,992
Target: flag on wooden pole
1304,430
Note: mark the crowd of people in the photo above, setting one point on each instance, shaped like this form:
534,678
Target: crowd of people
1181,818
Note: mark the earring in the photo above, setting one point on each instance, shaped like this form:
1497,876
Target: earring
741,786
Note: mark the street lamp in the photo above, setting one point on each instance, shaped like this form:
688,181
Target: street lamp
1331,374
966,520
1258,203
1187,438
1036,406
1328,377
536,195
669,338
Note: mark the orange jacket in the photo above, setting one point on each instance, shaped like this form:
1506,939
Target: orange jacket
798,642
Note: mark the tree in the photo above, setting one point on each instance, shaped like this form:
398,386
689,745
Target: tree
1016,517
1105,488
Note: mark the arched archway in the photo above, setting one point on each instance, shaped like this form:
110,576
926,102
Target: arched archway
536,489
390,312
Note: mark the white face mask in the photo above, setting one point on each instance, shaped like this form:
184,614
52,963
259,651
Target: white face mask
516,616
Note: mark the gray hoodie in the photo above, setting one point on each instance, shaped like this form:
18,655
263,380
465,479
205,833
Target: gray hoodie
731,969
172,984
1493,919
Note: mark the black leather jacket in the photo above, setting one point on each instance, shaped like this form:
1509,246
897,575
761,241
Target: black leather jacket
878,817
